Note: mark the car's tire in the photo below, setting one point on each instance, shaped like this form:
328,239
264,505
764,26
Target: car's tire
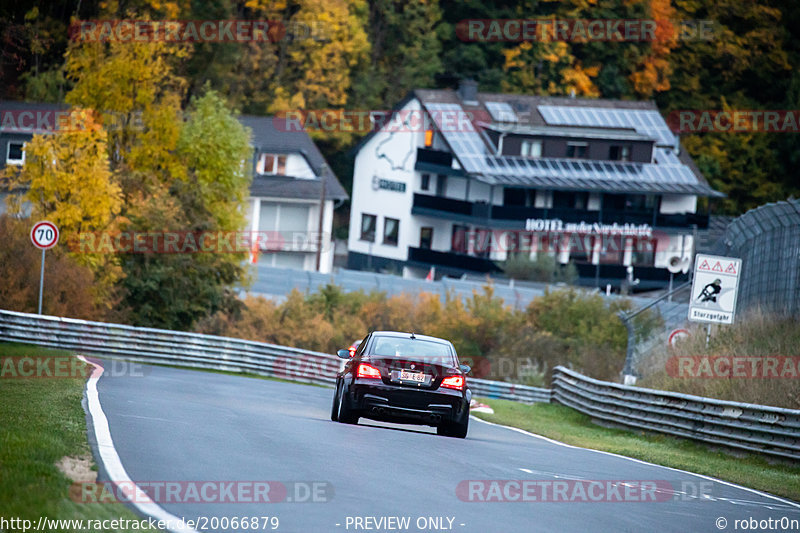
456,430
335,406
346,414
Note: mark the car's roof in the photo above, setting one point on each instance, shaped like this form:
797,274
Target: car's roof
407,335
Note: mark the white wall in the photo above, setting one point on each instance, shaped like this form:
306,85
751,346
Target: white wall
387,155
678,203
300,251
544,199
481,192
456,188
297,166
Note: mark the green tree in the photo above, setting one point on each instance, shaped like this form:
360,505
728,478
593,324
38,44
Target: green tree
175,176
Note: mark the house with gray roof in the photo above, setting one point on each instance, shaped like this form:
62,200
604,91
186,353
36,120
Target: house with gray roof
458,181
292,196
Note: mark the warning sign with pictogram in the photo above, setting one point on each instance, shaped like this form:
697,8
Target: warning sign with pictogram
716,280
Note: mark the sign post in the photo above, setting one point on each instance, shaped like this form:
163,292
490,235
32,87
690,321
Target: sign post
714,289
44,236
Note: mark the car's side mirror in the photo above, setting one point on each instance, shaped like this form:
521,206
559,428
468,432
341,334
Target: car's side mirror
465,368
344,354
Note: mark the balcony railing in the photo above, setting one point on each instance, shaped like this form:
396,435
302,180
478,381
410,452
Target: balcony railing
485,213
452,260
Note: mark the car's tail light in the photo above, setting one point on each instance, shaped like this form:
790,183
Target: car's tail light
368,371
453,382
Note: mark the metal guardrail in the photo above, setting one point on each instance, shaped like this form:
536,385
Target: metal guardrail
508,391
195,350
754,428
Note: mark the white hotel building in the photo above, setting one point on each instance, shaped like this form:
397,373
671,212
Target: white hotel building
603,184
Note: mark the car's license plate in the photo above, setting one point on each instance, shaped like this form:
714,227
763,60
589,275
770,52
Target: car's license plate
417,377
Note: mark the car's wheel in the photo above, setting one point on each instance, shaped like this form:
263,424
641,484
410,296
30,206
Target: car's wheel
457,430
335,406
345,415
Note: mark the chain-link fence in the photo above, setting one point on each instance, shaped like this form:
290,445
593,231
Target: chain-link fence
767,239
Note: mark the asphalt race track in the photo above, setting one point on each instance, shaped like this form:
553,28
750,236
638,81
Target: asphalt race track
188,426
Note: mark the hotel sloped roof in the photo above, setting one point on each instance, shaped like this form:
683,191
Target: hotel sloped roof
268,138
672,172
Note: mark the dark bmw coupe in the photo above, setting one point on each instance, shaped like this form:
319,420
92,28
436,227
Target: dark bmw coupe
405,378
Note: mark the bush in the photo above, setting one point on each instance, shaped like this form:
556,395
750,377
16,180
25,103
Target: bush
754,335
566,327
68,286
543,268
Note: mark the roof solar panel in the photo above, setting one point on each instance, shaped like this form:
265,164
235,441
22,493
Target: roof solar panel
501,112
646,122
479,159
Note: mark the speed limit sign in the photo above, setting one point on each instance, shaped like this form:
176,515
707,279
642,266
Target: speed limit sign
44,235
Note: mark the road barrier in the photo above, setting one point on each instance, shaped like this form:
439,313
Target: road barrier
195,350
754,428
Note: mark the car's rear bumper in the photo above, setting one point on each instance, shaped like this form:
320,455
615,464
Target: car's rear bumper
402,404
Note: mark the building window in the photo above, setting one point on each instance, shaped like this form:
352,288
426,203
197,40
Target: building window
425,237
581,200
391,227
619,153
271,164
644,252
368,227
441,184
611,249
576,150
613,202
459,240
516,197
570,200
581,246
15,153
641,202
425,183
531,148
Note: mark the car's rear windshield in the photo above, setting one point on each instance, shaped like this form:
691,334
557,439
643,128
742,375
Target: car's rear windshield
400,347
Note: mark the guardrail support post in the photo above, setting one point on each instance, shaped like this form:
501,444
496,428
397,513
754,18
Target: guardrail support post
628,375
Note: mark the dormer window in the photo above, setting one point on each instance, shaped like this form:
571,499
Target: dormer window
15,153
531,148
271,164
619,153
577,150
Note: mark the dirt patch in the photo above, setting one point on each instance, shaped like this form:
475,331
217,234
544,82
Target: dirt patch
78,469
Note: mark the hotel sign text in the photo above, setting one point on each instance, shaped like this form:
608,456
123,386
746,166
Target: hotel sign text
557,225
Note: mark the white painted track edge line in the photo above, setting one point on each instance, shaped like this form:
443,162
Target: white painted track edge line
110,459
702,476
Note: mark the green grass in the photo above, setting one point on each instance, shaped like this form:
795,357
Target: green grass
571,427
41,421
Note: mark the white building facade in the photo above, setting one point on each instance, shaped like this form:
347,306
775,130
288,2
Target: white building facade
461,181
